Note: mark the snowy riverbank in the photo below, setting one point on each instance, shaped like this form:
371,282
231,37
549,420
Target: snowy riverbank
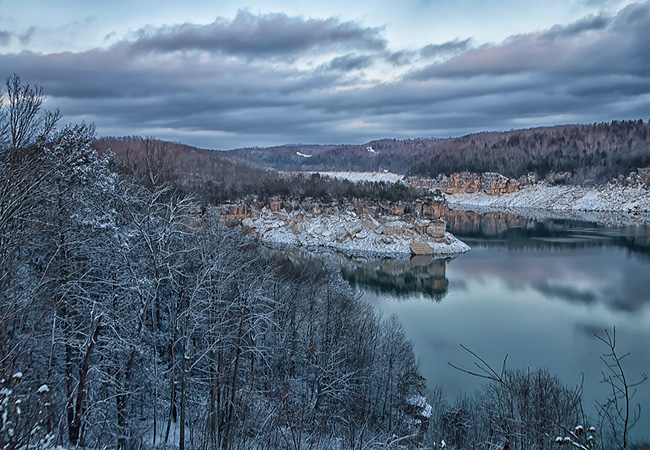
609,204
353,234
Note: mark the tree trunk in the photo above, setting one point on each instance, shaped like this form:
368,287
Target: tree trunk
75,427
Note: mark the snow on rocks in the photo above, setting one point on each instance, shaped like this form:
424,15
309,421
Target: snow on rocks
630,204
357,234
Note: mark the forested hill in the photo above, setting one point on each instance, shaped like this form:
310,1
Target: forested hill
590,153
191,169
212,178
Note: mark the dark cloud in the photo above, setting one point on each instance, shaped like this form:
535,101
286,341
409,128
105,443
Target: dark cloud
446,48
350,62
271,79
259,35
588,24
26,37
401,58
620,45
5,37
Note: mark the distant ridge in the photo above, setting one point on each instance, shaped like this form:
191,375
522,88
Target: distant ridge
584,154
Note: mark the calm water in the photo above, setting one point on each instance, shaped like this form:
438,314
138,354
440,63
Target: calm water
534,290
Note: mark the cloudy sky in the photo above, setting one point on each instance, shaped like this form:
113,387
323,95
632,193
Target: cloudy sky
257,73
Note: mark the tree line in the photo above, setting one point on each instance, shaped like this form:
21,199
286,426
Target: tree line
591,154
575,154
213,179
588,154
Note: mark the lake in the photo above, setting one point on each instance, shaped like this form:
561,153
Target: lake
535,290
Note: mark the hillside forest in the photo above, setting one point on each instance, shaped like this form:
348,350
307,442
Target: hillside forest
589,154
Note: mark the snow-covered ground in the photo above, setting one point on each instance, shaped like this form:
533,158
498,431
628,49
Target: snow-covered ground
363,176
349,233
609,204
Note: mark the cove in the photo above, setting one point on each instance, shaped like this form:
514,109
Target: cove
534,290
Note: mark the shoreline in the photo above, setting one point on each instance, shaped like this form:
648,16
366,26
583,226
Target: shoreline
354,234
608,205
453,250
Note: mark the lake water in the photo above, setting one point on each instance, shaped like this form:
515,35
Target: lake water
534,290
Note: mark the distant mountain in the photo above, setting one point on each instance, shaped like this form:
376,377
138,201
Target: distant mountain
216,177
585,153
284,157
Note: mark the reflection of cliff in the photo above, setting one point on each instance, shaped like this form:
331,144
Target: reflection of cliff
399,277
497,229
469,223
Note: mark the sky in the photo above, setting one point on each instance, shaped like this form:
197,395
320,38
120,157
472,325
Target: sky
224,75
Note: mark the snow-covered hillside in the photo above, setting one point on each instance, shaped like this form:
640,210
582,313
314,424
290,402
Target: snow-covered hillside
613,204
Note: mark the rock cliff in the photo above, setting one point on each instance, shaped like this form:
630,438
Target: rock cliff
489,182
354,227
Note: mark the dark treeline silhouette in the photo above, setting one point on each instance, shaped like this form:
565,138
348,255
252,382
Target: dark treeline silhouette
214,179
587,153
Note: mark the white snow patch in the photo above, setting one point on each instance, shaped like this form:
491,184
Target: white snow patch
303,155
607,204
356,177
419,403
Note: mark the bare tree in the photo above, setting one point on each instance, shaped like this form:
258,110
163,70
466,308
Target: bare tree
524,408
617,412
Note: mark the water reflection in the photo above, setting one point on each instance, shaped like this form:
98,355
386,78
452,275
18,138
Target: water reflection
503,230
536,290
401,278
610,277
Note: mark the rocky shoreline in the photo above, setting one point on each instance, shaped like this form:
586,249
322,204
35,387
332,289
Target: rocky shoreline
356,235
358,228
625,200
612,205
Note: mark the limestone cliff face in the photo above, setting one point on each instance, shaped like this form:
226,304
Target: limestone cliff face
495,184
372,227
426,208
469,183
